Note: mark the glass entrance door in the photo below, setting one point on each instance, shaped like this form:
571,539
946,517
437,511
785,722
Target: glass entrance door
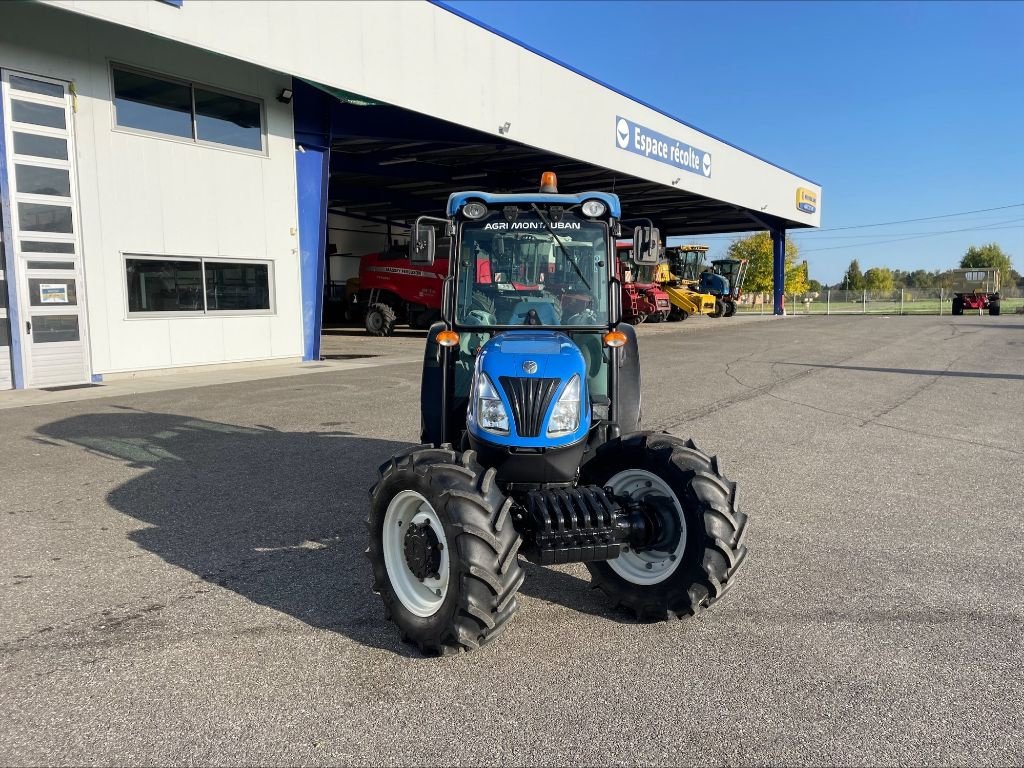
44,224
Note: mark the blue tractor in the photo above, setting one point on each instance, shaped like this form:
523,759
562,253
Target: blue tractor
531,439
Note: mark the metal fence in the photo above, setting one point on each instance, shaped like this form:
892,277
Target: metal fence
903,301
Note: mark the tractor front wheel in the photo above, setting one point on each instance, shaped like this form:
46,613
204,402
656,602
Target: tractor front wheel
696,562
719,309
958,306
444,550
380,320
730,308
676,315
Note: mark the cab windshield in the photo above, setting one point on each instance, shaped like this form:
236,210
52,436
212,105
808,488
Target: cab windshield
513,273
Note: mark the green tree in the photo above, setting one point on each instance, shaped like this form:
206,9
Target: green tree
879,279
853,280
757,250
990,255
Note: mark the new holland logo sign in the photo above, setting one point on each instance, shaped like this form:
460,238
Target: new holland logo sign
634,137
806,200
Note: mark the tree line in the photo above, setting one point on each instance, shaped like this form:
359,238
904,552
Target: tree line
757,250
883,279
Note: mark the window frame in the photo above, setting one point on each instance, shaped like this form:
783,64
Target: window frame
264,151
205,312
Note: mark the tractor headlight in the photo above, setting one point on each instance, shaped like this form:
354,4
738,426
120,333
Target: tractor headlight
474,210
594,208
490,411
565,417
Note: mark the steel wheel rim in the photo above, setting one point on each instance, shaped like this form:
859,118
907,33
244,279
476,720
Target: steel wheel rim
651,566
421,598
375,320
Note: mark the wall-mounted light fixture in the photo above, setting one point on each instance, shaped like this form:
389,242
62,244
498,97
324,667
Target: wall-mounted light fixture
285,96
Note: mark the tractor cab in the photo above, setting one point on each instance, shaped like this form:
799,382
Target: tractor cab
686,262
733,270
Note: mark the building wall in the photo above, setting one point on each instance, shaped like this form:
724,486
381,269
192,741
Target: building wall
155,196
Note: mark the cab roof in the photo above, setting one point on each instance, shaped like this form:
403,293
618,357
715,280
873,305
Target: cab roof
458,199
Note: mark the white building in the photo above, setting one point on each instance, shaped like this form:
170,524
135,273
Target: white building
180,179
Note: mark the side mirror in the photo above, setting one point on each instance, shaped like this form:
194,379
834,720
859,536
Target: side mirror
646,243
422,244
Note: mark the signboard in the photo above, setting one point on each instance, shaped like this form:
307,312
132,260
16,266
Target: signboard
634,137
806,200
53,293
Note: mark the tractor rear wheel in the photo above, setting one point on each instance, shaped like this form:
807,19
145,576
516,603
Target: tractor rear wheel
444,550
705,548
676,315
380,320
730,308
958,306
719,308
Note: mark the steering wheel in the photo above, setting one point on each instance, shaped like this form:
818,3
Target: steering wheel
584,317
479,317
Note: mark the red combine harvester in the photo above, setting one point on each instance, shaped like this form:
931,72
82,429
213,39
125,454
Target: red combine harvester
642,297
392,291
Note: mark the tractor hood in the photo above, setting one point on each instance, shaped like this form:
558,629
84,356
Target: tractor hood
530,371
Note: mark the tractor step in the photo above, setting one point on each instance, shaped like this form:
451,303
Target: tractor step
571,525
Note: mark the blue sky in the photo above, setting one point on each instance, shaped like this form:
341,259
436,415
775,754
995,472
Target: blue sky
899,110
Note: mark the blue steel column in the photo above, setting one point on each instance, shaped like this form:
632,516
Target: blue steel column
779,267
312,165
10,267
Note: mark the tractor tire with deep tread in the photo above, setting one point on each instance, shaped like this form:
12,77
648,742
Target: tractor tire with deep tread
380,320
730,308
483,565
715,528
677,315
994,309
958,306
719,309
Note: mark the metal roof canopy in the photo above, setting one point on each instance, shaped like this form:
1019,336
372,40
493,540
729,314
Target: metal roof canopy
389,163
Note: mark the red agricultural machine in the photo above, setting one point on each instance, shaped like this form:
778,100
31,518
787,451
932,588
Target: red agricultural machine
390,291
976,288
642,298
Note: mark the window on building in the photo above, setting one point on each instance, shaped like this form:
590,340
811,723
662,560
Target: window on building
225,119
237,285
197,285
186,110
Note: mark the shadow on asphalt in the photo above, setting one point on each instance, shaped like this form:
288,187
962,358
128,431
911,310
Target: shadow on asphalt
278,517
915,371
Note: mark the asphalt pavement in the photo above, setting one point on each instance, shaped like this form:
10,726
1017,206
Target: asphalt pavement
182,578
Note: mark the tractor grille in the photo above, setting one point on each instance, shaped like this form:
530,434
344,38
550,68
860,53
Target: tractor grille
529,399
